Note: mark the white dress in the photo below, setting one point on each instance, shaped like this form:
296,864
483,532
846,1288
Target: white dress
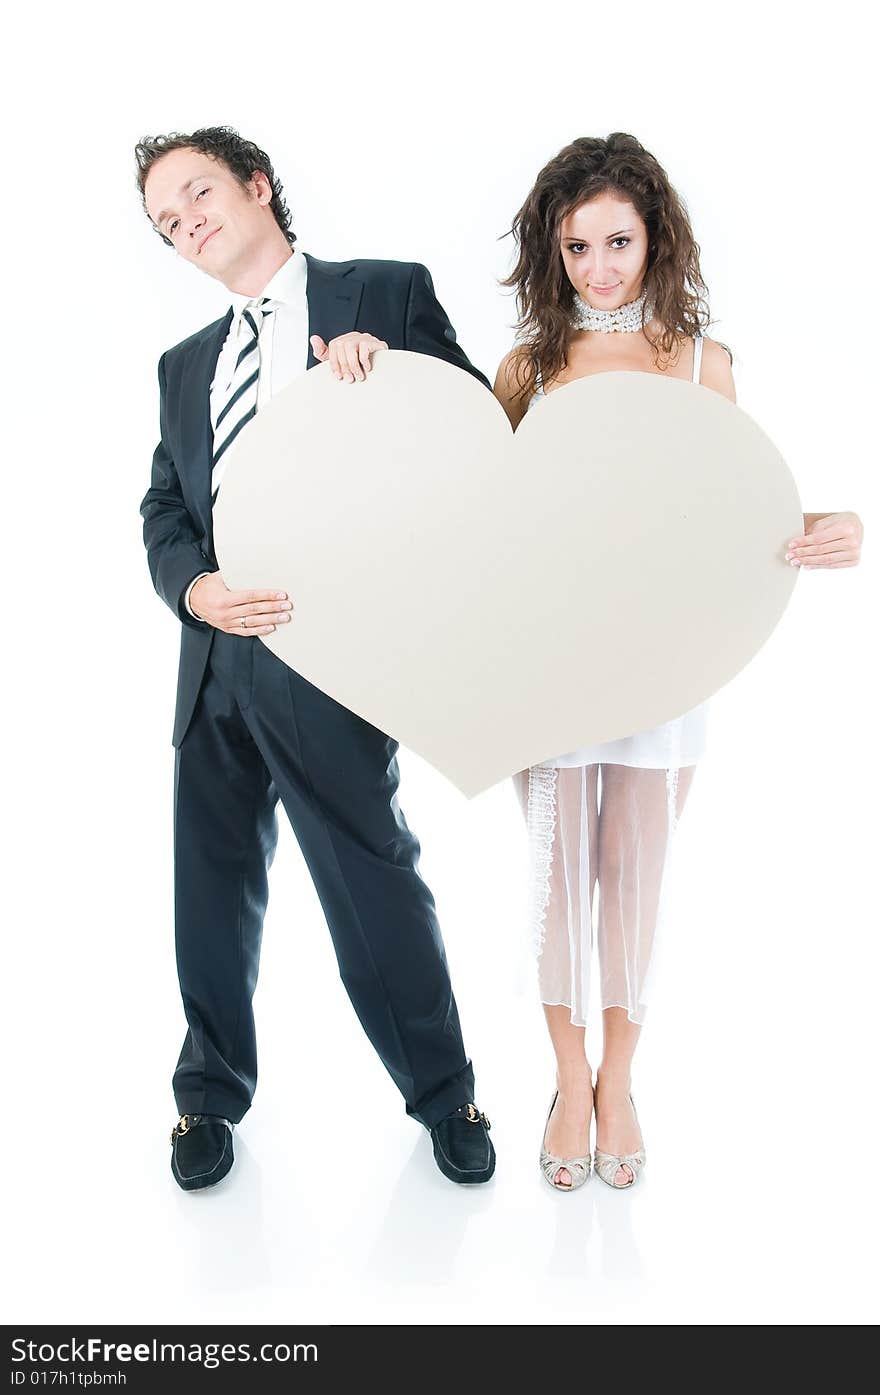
604,816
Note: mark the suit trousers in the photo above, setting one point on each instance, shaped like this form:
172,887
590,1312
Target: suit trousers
259,733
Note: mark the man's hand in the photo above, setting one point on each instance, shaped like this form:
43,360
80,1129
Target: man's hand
238,612
349,354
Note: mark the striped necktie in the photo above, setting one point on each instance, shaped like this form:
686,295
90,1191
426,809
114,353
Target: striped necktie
240,397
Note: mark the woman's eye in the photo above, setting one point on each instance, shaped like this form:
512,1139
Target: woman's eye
201,191
578,247
172,226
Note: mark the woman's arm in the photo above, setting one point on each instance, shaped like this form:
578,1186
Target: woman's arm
828,539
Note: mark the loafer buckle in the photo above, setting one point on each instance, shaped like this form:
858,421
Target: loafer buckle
476,1116
184,1124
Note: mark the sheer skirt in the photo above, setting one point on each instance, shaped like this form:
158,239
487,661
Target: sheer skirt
608,828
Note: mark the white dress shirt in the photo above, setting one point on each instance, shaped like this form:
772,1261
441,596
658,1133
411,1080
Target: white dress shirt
284,345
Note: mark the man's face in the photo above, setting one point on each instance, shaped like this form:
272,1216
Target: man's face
206,214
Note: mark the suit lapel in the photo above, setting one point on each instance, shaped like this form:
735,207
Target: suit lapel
334,300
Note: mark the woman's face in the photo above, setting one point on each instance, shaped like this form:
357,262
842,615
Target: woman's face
604,246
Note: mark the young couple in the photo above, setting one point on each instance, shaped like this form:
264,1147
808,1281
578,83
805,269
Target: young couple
607,278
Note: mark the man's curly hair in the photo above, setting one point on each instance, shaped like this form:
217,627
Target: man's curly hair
241,158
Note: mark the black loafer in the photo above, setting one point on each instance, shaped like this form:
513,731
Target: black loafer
462,1147
201,1150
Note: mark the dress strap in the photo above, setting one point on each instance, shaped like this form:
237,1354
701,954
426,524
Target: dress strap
698,356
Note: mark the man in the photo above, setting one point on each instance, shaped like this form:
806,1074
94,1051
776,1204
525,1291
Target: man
248,730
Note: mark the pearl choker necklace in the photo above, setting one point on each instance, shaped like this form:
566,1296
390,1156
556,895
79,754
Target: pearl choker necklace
627,318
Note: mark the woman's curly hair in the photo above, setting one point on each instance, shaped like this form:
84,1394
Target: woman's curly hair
241,158
676,292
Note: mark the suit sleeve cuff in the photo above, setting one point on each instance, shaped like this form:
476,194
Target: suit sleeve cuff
186,596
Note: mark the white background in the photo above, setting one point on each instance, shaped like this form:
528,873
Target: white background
416,134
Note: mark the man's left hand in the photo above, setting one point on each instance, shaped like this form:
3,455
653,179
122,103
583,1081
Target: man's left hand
349,354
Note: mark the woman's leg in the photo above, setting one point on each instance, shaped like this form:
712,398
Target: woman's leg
563,967
616,1129
568,1130
634,846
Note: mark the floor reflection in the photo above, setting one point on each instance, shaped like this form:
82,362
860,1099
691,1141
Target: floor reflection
425,1222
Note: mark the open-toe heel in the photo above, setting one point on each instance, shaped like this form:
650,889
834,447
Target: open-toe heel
577,1168
608,1164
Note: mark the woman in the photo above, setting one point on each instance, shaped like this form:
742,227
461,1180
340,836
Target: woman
608,278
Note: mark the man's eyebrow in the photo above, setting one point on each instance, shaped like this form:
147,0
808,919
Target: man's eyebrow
619,233
181,191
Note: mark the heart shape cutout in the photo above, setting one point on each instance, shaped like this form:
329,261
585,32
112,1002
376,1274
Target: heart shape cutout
493,599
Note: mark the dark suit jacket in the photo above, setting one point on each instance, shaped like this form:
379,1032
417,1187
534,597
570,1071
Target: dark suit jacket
393,300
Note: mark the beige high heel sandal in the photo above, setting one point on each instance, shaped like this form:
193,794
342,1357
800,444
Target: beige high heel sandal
577,1168
606,1164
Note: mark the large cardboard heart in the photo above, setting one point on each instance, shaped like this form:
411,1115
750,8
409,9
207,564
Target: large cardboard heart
492,600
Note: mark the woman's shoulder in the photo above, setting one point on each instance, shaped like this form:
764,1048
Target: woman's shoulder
714,349
509,382
513,358
512,368
716,368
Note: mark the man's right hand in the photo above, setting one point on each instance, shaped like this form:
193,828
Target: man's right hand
238,612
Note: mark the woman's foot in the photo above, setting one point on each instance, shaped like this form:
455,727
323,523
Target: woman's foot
568,1129
617,1129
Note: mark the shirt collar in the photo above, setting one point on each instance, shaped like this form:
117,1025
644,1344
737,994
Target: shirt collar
286,285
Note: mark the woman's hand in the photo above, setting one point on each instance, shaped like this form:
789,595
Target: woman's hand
349,354
828,540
